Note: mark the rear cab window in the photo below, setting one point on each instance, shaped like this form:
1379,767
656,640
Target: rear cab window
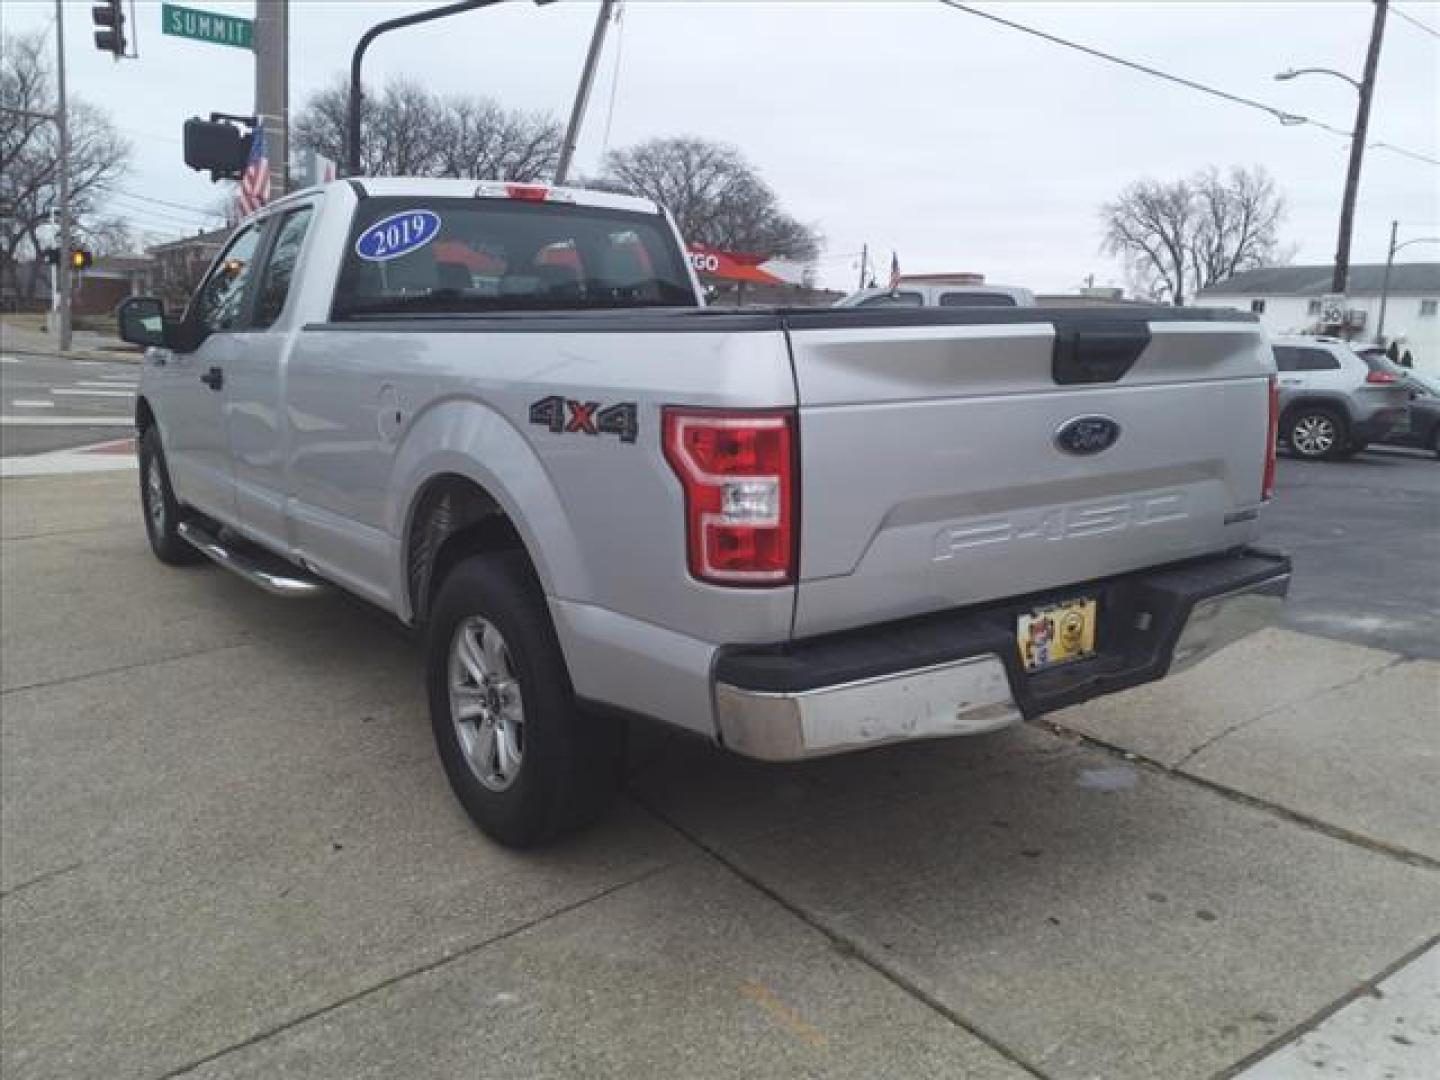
457,256
279,269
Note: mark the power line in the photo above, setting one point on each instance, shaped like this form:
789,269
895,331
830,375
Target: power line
1414,22
615,76
1288,118
1402,150
1279,114
125,193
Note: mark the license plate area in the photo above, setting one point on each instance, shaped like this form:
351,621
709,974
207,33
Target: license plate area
1056,634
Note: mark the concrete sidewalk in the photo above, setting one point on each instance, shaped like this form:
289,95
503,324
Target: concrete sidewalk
85,345
228,850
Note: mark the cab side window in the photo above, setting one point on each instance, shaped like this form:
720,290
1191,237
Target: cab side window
219,304
894,299
280,269
1293,358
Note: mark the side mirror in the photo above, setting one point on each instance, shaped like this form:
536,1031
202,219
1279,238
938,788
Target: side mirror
142,321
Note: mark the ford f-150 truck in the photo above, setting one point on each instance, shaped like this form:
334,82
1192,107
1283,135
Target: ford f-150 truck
502,413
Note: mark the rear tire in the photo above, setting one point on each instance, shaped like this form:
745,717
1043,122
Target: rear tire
158,505
1317,434
524,761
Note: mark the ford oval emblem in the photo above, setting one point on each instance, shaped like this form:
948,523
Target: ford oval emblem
1087,435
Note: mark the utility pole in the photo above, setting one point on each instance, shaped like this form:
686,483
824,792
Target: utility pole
1395,246
272,87
864,262
62,121
1357,150
1385,285
582,93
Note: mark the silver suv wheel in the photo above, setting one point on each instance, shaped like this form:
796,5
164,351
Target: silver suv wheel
1314,435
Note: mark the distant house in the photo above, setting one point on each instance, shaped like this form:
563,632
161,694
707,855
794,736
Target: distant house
180,264
97,289
1288,300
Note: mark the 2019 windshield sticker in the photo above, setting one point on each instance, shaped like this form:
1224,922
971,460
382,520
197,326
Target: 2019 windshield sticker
397,235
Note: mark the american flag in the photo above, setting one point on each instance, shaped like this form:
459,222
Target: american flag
894,271
255,180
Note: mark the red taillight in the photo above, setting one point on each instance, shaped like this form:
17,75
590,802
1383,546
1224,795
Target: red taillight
1381,377
1267,491
738,473
527,192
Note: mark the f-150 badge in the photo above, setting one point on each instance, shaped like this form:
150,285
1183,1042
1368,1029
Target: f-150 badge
567,416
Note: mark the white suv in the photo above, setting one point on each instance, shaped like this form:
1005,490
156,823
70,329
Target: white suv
1332,404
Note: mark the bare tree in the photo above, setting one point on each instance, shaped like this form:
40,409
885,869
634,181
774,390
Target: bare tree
30,156
1178,237
407,131
717,197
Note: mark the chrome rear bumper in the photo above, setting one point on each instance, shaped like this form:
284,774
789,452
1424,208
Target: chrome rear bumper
967,697
788,712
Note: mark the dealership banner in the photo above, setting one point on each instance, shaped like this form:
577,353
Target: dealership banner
714,264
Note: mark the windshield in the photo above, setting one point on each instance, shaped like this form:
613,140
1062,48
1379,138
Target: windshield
465,256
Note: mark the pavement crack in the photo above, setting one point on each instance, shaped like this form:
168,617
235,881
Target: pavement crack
422,969
1334,832
1232,728
848,947
149,662
40,879
1315,1019
53,535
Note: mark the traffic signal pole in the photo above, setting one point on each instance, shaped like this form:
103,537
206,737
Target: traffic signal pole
272,87
62,121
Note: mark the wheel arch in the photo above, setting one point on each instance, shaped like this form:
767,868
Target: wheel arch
460,439
451,516
1335,403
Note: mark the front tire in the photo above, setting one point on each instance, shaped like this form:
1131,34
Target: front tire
1317,434
524,761
158,505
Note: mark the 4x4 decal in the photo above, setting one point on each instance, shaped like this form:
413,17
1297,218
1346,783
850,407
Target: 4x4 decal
565,415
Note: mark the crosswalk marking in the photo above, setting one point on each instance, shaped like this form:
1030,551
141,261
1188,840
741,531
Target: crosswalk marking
93,393
22,403
113,384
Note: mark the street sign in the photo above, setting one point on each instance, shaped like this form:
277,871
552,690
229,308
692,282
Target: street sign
186,22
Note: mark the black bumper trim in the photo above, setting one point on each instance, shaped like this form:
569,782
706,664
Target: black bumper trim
1141,617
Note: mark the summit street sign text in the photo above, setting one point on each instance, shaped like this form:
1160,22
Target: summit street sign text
186,22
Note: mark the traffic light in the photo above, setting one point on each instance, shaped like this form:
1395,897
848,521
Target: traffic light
220,147
81,259
109,27
52,256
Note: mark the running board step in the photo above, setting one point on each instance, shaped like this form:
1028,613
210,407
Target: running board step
270,572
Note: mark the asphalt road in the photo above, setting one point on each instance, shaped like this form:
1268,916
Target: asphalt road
1364,535
45,401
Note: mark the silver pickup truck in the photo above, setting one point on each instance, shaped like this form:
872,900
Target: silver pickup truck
503,414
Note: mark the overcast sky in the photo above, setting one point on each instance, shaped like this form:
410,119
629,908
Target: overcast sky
960,144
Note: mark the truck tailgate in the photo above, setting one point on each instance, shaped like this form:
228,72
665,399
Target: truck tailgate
933,477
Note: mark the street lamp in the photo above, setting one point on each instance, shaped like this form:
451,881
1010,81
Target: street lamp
1365,88
1286,76
1385,281
352,139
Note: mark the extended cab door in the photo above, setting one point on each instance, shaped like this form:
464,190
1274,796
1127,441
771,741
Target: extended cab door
254,384
193,396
